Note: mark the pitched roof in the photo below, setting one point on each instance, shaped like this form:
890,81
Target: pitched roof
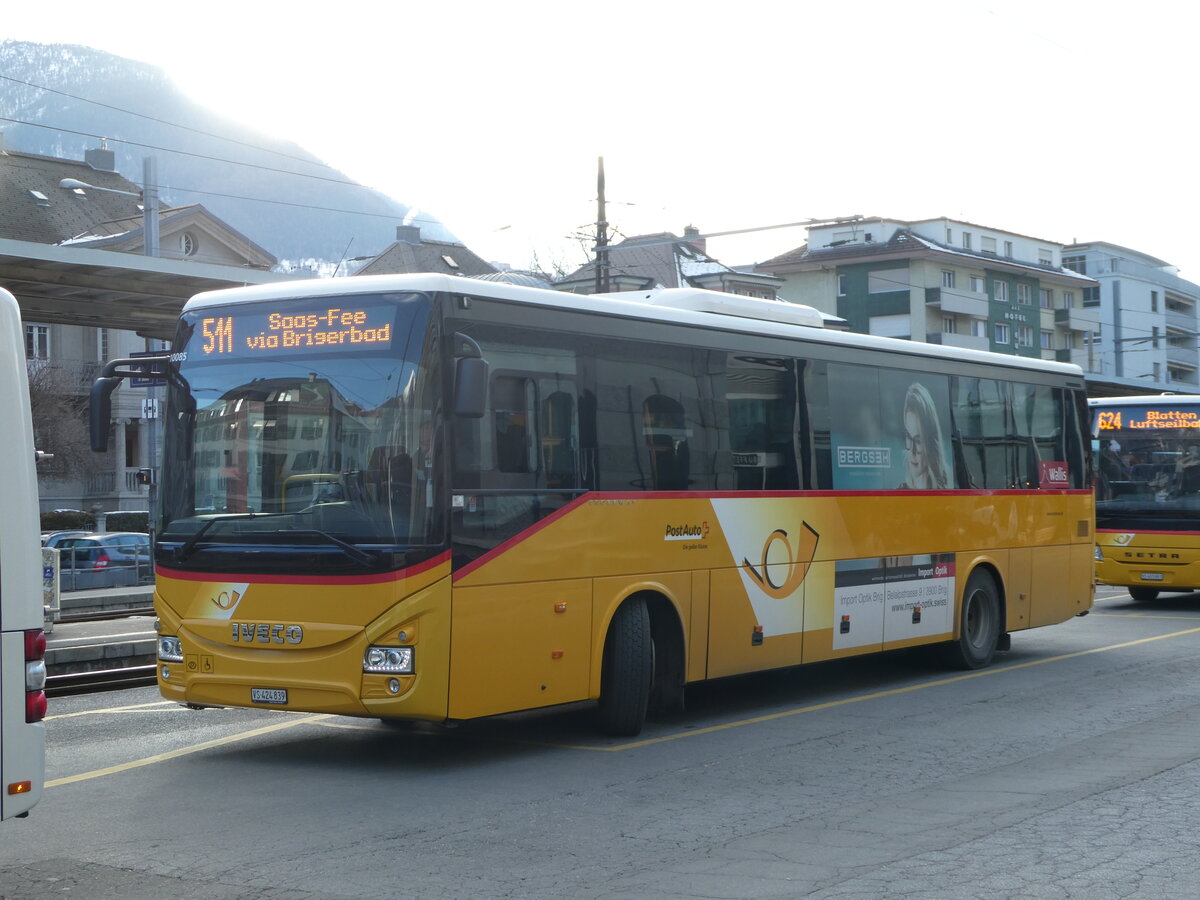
661,260
444,257
33,207
902,244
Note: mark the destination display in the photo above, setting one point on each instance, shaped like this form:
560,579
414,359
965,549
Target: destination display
327,327
1134,418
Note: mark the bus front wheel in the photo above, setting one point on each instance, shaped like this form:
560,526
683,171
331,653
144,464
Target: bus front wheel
979,625
627,670
1143,595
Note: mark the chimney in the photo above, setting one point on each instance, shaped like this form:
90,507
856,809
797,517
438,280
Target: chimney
691,234
101,158
409,234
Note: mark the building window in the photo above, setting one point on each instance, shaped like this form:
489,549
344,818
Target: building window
1068,299
188,244
1046,298
1024,336
978,328
1008,250
947,279
1023,293
1001,333
841,285
1154,301
966,240
1047,340
1045,257
37,341
947,324
1001,290
987,244
1091,296
977,284
1076,264
102,344
949,236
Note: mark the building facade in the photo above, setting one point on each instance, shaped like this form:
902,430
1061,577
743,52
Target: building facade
1147,313
946,282
87,204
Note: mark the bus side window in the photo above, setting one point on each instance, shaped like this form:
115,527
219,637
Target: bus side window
558,440
666,434
514,411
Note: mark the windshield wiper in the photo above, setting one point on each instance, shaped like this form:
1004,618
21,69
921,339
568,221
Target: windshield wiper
355,553
190,544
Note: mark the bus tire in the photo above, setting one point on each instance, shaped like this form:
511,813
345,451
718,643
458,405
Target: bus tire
1143,595
627,670
979,625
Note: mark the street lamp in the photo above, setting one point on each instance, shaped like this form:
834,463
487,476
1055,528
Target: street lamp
148,195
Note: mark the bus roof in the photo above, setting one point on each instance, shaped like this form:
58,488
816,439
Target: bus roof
690,306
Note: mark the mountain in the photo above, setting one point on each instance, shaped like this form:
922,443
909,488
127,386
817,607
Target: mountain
59,100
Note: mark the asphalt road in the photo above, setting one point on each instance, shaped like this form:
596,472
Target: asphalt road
1071,768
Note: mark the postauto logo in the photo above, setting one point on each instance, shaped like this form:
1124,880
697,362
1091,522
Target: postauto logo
695,532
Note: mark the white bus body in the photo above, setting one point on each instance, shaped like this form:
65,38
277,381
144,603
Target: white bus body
22,641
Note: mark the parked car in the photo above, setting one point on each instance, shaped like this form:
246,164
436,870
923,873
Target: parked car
55,538
116,559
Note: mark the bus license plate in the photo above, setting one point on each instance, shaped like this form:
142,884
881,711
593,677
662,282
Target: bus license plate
268,695
1152,576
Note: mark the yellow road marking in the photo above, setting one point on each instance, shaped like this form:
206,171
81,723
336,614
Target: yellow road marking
112,709
877,695
184,751
322,719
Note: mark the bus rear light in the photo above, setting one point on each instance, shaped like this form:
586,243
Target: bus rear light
35,706
388,660
35,645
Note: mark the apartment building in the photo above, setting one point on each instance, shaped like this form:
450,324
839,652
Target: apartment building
946,282
1148,326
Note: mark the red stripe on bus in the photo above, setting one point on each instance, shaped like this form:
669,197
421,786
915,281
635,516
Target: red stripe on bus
381,578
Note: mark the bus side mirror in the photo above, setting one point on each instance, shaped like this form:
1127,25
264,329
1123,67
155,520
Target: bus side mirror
100,411
470,378
470,388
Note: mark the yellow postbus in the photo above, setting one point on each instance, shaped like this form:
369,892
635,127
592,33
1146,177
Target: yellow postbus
1147,480
433,498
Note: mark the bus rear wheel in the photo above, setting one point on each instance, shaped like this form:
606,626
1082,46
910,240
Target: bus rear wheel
1143,595
627,670
979,625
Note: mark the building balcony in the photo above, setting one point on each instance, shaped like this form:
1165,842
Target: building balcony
1078,318
1181,321
1184,356
966,341
958,302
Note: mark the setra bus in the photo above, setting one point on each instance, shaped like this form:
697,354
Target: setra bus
22,640
1147,481
433,498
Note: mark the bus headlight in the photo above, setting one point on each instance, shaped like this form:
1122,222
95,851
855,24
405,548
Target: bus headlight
170,648
388,660
1099,554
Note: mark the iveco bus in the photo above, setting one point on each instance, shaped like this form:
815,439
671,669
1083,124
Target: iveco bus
433,498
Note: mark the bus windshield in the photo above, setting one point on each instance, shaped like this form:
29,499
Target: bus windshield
1148,464
312,426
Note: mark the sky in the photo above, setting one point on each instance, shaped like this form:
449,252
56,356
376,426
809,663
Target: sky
1061,120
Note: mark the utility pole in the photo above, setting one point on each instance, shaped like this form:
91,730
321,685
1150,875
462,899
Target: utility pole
601,234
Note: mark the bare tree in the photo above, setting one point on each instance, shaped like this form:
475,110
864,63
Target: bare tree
58,401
